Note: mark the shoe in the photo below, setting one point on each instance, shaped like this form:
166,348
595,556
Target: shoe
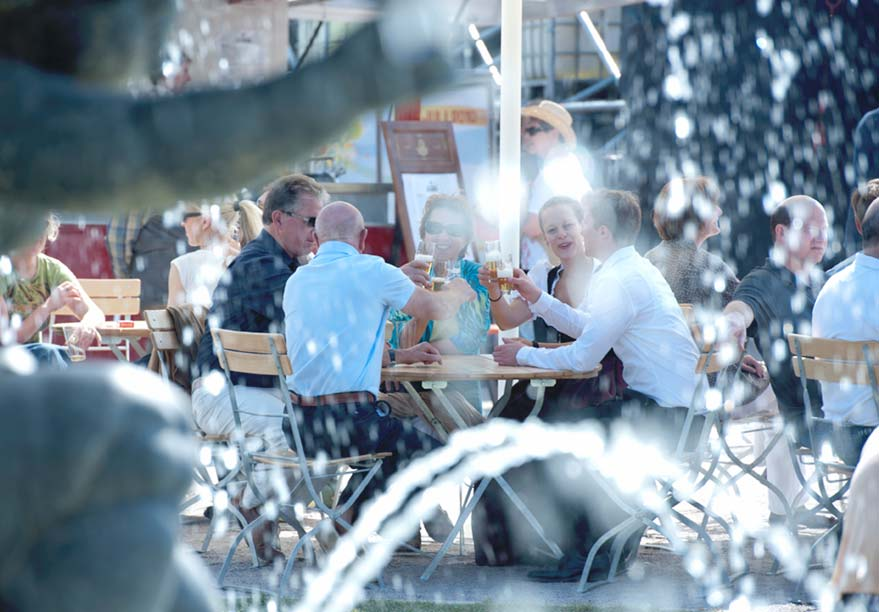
208,513
569,569
413,542
439,526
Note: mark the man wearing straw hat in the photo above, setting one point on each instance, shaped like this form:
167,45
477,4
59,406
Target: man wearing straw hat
548,135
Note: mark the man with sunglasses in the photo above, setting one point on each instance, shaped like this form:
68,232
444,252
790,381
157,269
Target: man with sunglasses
248,299
548,136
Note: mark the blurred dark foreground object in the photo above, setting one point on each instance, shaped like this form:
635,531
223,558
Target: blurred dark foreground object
72,138
96,462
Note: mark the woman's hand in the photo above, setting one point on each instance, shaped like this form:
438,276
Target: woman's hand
65,294
484,277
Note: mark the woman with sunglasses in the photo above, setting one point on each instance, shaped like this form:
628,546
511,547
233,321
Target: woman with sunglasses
447,227
219,232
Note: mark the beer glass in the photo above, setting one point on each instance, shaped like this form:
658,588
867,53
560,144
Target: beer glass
441,269
425,253
492,257
71,336
505,274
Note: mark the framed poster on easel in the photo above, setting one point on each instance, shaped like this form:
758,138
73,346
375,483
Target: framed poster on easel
424,161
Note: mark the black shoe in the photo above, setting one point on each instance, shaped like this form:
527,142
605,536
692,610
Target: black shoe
569,569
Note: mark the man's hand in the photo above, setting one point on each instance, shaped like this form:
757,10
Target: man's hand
752,366
65,294
525,286
423,352
461,286
518,340
505,354
417,272
86,336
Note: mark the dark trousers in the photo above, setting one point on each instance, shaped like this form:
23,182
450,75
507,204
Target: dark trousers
341,430
565,496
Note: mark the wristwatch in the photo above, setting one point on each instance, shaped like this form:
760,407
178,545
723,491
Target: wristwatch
392,356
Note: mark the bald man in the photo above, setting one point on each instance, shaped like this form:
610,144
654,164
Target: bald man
335,311
773,300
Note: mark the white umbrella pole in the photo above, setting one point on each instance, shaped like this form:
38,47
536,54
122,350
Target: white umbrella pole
509,187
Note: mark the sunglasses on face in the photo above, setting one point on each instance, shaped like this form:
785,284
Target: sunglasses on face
190,215
456,230
309,221
531,131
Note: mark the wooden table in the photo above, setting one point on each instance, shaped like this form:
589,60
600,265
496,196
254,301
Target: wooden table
477,368
112,334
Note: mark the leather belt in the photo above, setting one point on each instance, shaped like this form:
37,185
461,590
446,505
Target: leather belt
351,397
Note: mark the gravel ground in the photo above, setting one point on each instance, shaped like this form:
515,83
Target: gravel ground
658,581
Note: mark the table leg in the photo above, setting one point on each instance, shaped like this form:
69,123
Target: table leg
426,411
459,524
529,516
437,388
502,402
540,384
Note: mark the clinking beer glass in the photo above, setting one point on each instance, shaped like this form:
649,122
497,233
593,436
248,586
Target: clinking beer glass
505,274
441,274
492,258
425,253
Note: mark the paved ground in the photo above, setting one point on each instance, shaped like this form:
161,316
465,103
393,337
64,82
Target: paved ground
659,580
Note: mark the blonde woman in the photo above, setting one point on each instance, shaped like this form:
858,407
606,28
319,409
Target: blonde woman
219,232
36,286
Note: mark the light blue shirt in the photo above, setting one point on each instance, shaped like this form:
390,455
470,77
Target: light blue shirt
335,310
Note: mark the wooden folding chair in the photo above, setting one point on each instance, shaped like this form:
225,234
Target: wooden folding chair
832,361
697,474
266,354
165,340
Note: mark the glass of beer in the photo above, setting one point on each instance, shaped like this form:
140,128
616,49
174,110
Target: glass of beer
505,274
425,253
492,257
441,269
71,336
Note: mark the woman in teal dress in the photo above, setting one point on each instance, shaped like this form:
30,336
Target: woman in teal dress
447,227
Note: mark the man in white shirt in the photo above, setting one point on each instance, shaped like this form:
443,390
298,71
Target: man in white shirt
847,308
335,311
629,308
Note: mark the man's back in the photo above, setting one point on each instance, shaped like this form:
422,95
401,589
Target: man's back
248,298
846,309
335,310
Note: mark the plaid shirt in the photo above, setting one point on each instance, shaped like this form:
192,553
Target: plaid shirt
121,235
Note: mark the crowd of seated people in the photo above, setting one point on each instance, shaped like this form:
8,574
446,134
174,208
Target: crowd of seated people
603,305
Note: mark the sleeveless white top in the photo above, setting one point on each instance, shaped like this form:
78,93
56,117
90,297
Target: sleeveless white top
200,271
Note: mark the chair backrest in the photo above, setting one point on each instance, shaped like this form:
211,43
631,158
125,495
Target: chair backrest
162,332
690,317
834,361
250,353
114,296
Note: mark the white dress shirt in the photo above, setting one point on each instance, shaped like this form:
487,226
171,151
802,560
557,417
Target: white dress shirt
629,308
335,310
847,308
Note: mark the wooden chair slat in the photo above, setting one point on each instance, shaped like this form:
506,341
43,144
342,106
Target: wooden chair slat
165,340
828,370
158,320
249,342
253,363
110,306
826,348
111,287
289,459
